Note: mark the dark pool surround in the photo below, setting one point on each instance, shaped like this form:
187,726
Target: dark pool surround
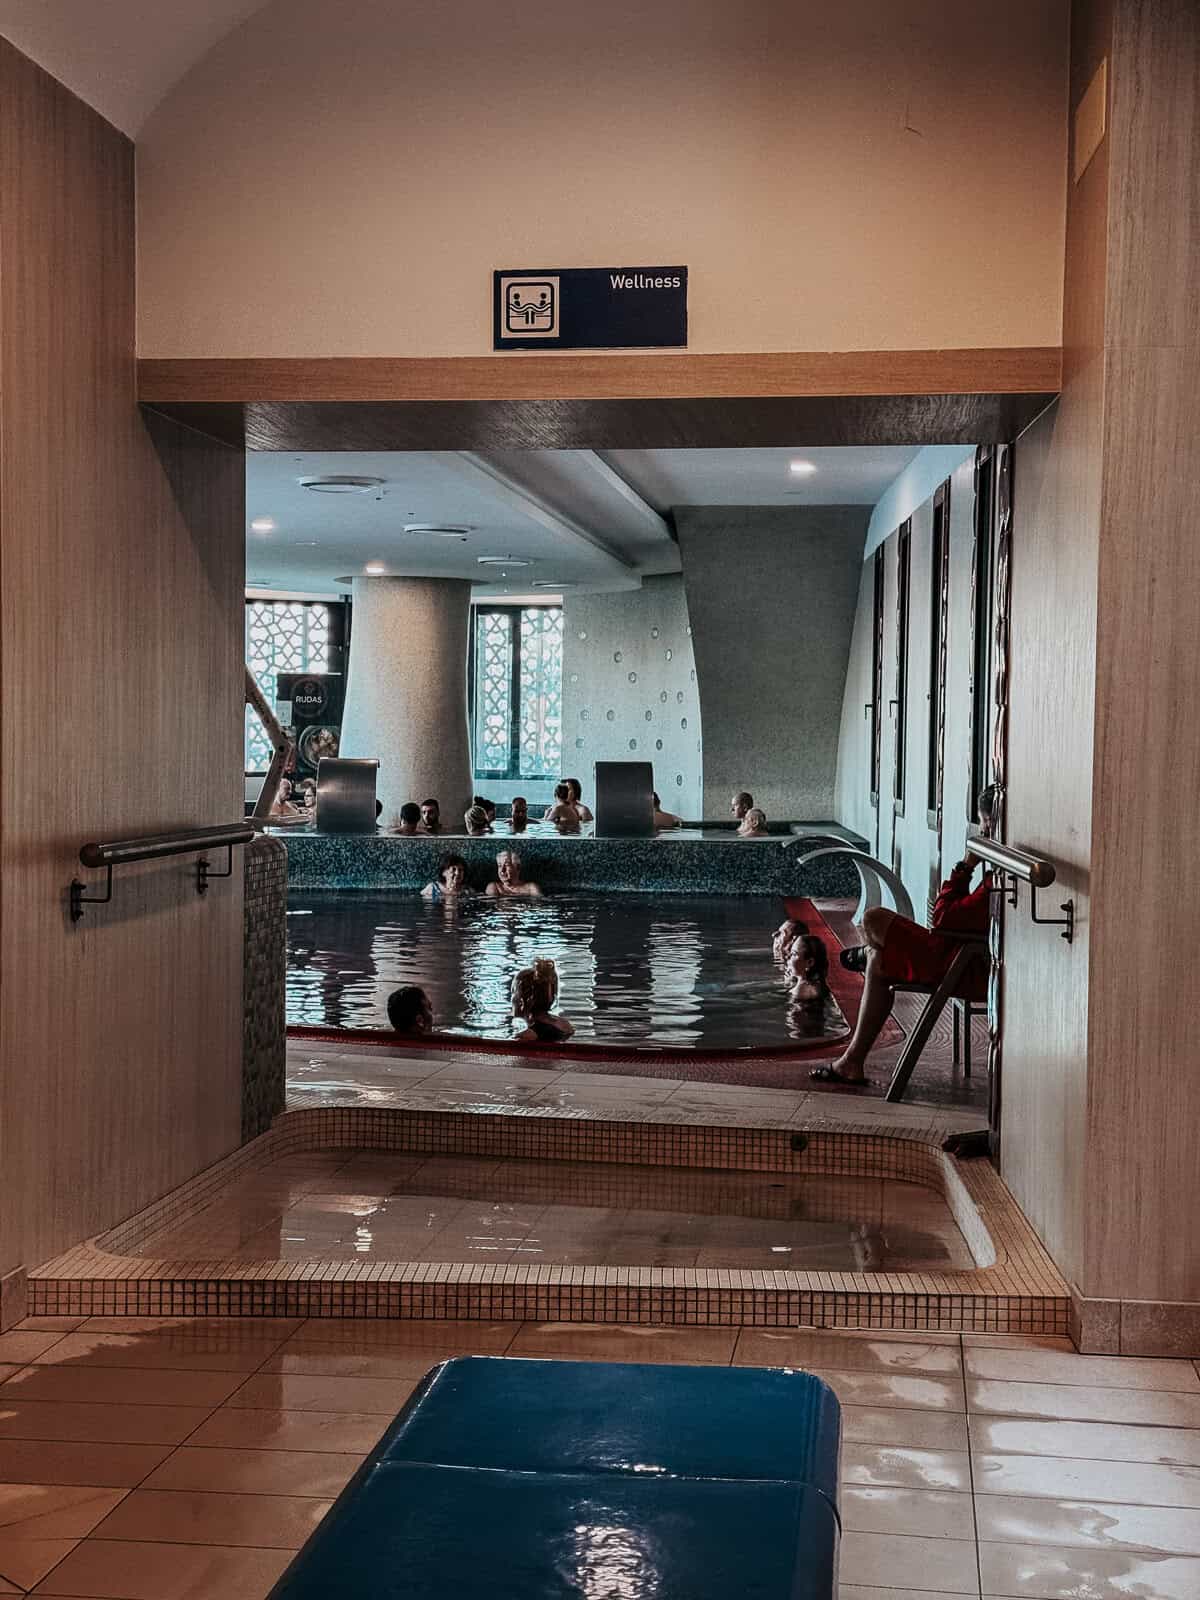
657,865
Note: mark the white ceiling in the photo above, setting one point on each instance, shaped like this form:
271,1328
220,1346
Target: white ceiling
581,519
845,476
121,56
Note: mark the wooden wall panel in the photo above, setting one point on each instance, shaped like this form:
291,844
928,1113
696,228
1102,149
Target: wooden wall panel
120,675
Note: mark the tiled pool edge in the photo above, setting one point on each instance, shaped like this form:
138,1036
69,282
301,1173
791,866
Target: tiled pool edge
1018,1291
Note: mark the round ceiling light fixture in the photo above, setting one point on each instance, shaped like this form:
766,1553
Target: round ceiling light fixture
340,483
440,530
263,524
801,469
501,561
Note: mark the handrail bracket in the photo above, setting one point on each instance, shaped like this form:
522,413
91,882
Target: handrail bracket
79,899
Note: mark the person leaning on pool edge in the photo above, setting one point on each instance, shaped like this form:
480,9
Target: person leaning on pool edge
451,881
740,804
508,880
410,1010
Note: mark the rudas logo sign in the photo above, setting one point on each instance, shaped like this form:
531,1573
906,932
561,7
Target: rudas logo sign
308,697
589,308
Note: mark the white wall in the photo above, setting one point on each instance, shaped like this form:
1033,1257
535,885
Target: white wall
610,640
861,176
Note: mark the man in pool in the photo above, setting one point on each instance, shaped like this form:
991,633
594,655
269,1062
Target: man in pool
564,813
665,819
410,1011
431,816
519,820
409,823
740,804
754,824
508,882
576,799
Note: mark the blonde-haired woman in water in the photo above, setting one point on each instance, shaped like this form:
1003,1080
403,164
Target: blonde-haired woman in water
534,991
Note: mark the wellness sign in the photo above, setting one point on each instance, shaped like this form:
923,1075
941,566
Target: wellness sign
589,308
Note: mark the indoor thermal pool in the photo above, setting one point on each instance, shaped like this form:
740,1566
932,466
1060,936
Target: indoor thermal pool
634,969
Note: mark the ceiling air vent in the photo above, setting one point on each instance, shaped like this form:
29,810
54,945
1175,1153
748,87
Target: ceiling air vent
340,483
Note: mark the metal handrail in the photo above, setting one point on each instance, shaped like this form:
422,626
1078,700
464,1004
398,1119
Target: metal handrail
153,847
1016,863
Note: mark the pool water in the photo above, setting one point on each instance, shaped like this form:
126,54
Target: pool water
690,971
345,1205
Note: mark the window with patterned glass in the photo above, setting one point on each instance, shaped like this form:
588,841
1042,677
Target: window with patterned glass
281,636
516,691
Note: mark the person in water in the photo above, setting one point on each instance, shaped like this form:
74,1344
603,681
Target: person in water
754,824
285,809
564,813
431,816
519,820
451,883
576,798
898,950
740,804
534,992
486,806
476,822
786,935
409,821
808,970
508,882
665,819
410,1011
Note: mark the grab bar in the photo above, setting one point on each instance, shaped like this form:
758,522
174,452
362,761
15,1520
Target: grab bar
1019,866
121,852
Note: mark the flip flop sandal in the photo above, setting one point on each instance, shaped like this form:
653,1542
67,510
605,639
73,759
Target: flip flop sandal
854,959
832,1075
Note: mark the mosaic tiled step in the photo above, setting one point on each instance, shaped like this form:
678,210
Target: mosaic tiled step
1014,1286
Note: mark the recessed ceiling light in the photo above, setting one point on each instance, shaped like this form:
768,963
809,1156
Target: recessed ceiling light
339,483
440,530
263,524
801,469
375,568
551,583
502,561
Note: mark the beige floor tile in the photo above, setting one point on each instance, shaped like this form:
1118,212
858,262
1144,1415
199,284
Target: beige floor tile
771,1347
936,1566
1063,1477
98,1424
9,1369
52,1511
901,1390
1037,1572
1107,1525
48,1324
1083,1403
895,1426
893,1466
24,1561
23,1346
205,1347
859,1591
1017,1341
575,1341
123,1570
123,1386
927,1513
1094,1441
437,1340
279,1391
113,1466
318,1473
337,1362
182,1516
235,1429
1057,1366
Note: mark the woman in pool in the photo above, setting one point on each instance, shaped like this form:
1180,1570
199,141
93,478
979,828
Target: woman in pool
410,1011
564,813
576,798
519,820
488,807
808,970
451,881
476,822
534,991
665,819
754,824
508,882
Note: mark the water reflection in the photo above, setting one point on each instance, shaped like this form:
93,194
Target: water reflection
633,969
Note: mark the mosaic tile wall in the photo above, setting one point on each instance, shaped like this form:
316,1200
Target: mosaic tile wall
264,1039
630,691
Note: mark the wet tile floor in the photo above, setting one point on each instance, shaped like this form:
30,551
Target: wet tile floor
337,1205
187,1460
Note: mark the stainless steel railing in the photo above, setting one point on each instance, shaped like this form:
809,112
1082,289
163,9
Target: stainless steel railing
153,847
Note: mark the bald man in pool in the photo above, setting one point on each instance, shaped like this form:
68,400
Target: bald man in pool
740,804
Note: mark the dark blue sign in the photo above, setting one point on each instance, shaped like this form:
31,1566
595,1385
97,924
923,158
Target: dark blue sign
589,308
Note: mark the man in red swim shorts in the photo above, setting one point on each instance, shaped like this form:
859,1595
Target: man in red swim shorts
900,951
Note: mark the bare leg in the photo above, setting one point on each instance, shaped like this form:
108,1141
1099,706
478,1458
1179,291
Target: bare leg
875,926
873,1011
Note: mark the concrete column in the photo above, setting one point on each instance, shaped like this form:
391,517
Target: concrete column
406,695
